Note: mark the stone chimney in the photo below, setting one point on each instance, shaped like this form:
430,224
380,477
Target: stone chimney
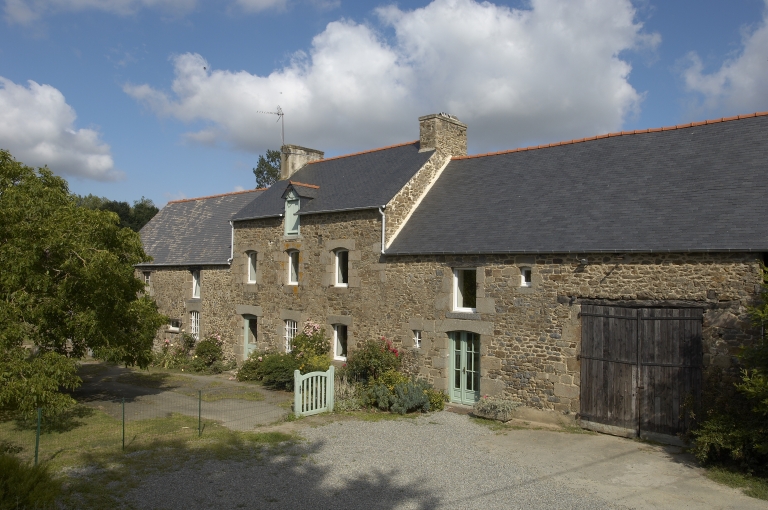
293,157
443,132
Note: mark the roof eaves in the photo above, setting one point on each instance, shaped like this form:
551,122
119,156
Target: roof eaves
529,252
258,217
348,209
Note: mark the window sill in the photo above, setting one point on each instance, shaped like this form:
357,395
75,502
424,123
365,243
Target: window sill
472,316
339,358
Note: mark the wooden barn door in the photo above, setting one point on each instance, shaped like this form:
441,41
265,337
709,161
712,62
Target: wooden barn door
638,367
671,357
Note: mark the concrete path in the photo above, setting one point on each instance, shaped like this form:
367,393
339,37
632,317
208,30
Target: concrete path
102,389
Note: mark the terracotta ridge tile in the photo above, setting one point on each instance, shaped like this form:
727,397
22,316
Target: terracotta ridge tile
295,183
611,135
362,152
215,196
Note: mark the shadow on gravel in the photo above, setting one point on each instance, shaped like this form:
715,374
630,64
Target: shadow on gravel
248,471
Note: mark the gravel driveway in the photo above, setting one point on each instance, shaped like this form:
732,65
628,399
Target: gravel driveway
443,460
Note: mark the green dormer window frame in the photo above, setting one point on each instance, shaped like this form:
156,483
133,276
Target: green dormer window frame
292,206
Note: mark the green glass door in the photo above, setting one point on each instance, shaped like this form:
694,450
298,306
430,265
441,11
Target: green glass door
465,354
250,334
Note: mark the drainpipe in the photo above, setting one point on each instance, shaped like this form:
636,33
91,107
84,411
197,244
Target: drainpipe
383,226
231,243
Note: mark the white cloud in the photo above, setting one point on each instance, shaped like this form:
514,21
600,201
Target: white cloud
741,83
37,127
550,72
26,11
260,5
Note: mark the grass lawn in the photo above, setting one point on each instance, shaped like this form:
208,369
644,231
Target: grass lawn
750,485
85,449
212,390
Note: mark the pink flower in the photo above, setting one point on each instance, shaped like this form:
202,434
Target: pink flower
259,358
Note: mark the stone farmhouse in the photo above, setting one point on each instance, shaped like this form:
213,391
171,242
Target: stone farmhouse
603,277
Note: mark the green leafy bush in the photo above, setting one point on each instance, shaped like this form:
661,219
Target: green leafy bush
25,486
209,356
734,430
396,392
372,359
310,353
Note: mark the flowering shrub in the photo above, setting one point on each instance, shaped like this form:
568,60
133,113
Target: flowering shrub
372,359
310,353
209,356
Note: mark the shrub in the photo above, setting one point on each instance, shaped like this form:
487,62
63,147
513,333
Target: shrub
309,353
347,395
372,359
396,392
735,425
172,355
209,356
495,408
25,486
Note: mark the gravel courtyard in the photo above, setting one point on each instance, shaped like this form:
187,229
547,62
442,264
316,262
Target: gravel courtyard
443,460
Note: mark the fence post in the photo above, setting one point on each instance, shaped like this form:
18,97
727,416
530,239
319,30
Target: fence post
37,434
123,423
330,388
297,393
199,413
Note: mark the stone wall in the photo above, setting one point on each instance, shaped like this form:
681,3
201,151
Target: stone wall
272,300
530,336
171,287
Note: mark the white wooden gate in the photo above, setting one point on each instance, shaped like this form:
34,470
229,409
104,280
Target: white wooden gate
312,392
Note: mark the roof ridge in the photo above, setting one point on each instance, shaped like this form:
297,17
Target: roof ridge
362,152
215,196
618,133
296,183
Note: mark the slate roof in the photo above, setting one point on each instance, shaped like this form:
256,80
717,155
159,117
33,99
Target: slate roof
701,187
195,231
357,181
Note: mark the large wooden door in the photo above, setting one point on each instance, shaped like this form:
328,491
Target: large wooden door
638,368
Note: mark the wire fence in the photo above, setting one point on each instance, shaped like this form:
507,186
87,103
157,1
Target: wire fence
142,417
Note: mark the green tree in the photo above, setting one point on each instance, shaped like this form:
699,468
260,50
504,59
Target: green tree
67,285
267,170
133,217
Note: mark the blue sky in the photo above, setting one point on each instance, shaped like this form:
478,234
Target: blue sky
160,98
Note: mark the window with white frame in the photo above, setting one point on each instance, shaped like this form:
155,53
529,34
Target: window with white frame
342,268
293,267
174,325
195,284
252,267
290,333
525,277
147,278
339,342
465,290
292,205
417,338
194,324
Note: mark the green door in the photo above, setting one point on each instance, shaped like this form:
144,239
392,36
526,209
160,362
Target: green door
250,334
465,354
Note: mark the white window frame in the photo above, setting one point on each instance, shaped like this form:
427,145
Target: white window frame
456,306
252,266
417,338
291,329
147,279
338,277
196,284
523,281
174,325
194,324
338,353
292,265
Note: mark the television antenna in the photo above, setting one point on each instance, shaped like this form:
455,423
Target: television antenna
279,114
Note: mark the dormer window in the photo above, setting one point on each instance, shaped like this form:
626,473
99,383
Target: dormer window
292,214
